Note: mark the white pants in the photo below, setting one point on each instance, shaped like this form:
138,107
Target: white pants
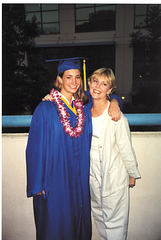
111,213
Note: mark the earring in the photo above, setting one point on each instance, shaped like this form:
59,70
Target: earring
108,97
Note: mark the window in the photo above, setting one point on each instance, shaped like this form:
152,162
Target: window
47,15
147,62
97,56
141,13
146,87
94,17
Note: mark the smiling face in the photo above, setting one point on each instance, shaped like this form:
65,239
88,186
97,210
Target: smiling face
70,82
99,87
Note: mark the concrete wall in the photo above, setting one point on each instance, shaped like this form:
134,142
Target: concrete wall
145,211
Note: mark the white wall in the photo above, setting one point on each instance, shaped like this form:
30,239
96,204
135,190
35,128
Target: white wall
145,211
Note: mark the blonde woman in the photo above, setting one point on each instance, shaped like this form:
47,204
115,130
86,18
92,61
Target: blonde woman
113,166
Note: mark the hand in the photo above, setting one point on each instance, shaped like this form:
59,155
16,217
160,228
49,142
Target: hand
114,110
48,97
40,194
131,182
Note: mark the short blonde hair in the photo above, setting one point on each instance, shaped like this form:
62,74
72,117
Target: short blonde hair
78,95
107,73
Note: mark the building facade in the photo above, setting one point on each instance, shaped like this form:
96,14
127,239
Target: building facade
101,33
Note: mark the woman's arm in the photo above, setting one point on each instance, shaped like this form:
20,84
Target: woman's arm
114,108
124,144
35,160
117,98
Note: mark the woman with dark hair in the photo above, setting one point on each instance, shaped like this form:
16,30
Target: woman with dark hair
57,157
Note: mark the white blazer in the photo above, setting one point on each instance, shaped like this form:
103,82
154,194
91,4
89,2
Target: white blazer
116,154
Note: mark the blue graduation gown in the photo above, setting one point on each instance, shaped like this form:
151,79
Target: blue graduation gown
59,165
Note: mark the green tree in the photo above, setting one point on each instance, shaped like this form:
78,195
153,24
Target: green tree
21,82
153,28
147,51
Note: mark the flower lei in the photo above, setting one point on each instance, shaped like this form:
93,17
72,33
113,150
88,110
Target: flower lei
64,115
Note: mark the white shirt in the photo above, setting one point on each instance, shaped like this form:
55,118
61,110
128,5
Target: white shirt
112,149
97,123
66,98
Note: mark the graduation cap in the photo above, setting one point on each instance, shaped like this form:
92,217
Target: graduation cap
72,63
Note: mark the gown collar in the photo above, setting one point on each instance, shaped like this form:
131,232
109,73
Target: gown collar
72,108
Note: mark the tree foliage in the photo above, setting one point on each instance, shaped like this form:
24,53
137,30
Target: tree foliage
146,87
19,78
152,32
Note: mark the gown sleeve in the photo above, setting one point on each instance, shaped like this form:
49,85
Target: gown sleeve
113,96
35,154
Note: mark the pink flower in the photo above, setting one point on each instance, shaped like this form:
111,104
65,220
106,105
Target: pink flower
64,115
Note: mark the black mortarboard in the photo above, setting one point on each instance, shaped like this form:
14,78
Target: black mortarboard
71,63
